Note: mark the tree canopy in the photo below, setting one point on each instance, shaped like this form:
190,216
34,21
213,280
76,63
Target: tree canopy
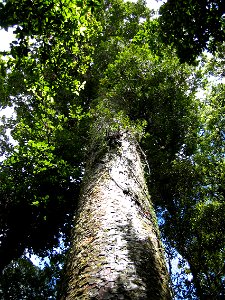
68,78
193,26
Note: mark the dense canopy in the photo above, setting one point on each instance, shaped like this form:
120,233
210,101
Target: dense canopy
75,69
193,26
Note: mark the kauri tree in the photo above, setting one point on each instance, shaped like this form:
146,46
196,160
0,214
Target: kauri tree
105,113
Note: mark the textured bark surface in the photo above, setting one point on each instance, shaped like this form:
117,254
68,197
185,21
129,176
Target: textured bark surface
116,253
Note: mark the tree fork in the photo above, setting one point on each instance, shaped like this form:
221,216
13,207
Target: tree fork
116,252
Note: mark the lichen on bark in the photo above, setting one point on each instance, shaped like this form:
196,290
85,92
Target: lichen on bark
116,252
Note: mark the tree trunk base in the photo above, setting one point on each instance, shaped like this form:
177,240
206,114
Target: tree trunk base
116,251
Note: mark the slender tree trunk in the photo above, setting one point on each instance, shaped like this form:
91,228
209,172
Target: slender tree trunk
116,252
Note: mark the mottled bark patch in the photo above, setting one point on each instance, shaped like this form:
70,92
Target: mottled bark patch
116,252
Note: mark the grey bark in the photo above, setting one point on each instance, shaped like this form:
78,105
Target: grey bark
116,252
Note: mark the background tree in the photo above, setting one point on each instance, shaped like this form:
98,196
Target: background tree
39,121
197,185
22,280
192,26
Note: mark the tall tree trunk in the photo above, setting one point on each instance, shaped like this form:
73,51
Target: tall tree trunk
116,252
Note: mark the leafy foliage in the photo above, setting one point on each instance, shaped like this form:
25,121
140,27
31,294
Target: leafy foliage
193,208
192,26
41,173
83,72
23,280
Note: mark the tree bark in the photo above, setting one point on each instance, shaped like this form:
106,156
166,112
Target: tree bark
116,252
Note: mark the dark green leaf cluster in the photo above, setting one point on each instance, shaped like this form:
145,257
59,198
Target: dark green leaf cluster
23,280
41,173
192,26
193,197
75,79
